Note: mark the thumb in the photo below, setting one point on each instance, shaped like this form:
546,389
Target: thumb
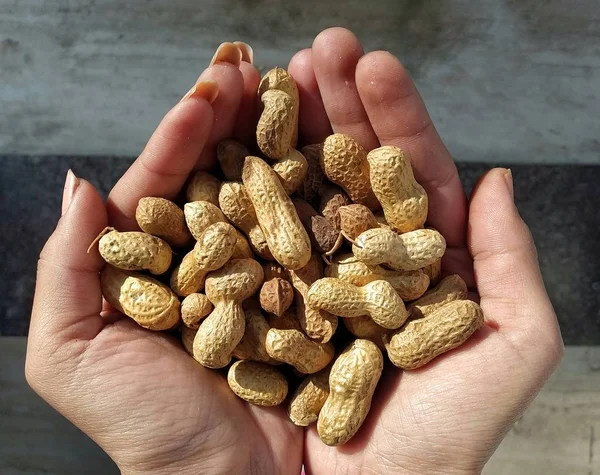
68,298
508,277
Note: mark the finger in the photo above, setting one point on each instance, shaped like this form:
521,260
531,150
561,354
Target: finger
507,273
68,299
244,129
313,123
335,54
399,117
226,107
170,155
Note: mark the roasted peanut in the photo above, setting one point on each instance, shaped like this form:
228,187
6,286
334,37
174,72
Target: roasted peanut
135,251
409,285
421,340
238,208
222,330
307,401
242,249
203,187
292,170
377,299
355,219
150,303
199,215
409,251
344,162
352,382
257,383
449,289
286,237
231,155
332,198
213,249
164,219
292,347
194,308
276,296
364,327
318,324
403,200
323,236
252,345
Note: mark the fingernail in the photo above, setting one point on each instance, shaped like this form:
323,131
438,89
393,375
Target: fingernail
71,185
227,53
508,176
247,51
208,90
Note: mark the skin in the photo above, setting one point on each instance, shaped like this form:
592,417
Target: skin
117,381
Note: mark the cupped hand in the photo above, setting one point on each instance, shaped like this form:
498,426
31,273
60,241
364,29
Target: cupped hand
153,409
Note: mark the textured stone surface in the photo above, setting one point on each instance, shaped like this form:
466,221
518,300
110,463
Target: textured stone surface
561,204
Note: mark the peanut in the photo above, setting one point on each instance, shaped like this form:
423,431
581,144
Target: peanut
377,299
164,219
257,383
231,155
203,187
135,251
314,175
238,208
286,237
409,285
323,236
292,170
194,308
187,339
332,198
355,219
252,345
293,348
364,327
344,162
403,200
352,382
434,271
150,303
242,249
223,329
449,289
422,340
199,215
276,296
277,129
213,249
317,324
409,251
308,399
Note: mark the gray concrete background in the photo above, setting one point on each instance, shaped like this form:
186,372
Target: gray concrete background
511,81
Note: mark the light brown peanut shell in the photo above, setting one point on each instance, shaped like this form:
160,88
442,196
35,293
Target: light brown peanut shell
364,327
344,162
356,219
203,187
199,215
150,303
332,198
187,339
276,296
237,280
308,399
449,289
231,155
277,124
238,208
242,249
409,285
404,201
352,382
194,308
409,251
323,235
164,219
422,340
294,348
252,345
286,237
434,271
378,299
135,251
187,277
292,170
257,383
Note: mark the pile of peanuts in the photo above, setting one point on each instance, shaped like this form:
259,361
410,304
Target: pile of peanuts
283,246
